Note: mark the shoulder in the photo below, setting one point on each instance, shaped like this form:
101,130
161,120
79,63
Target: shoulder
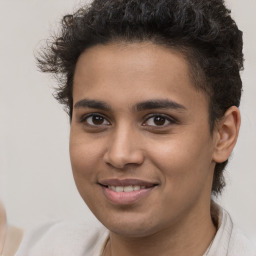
236,241
229,239
64,239
239,244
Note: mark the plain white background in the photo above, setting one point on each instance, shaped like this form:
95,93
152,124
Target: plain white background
36,182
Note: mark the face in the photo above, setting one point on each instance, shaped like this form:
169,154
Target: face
140,144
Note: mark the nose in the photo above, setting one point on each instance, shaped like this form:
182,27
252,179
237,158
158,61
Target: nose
124,149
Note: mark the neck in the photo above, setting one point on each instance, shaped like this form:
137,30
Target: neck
190,236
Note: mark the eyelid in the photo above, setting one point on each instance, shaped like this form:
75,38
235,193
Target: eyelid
171,120
86,116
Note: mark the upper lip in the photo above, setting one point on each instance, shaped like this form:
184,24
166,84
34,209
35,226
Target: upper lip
126,182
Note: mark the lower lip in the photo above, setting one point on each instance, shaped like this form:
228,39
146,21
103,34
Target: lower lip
124,198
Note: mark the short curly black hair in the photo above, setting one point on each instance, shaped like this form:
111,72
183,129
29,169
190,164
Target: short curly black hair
202,30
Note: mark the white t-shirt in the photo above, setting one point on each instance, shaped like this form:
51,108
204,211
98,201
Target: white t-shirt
70,239
64,239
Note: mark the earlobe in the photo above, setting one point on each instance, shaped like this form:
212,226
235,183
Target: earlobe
226,133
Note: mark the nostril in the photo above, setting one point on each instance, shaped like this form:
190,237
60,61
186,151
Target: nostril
121,158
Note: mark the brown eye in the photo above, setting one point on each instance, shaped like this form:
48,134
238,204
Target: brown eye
95,120
159,120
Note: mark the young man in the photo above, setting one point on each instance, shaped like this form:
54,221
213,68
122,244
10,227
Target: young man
152,89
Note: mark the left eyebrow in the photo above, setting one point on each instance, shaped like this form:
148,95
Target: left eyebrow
159,104
87,103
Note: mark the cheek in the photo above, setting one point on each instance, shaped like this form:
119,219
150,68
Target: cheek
184,168
83,162
84,159
86,165
183,157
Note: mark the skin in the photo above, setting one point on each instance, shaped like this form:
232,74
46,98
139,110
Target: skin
3,227
178,153
10,237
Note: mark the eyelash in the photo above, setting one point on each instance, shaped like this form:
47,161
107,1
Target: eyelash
85,118
170,120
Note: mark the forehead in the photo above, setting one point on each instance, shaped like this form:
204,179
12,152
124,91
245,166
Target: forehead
134,72
144,58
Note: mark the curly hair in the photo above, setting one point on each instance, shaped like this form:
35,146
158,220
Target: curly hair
202,30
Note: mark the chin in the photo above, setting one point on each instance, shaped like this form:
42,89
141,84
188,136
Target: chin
131,231
130,226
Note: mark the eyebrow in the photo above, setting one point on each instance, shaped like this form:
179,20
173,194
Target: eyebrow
159,104
146,105
86,103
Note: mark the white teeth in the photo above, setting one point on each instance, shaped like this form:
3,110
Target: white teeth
119,189
126,188
135,188
112,188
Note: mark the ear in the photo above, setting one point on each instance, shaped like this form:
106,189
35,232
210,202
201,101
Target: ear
226,133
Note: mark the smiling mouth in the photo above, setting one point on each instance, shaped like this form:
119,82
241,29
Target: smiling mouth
126,185
126,188
126,191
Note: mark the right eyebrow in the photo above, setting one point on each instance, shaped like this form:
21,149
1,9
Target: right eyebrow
159,104
86,103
